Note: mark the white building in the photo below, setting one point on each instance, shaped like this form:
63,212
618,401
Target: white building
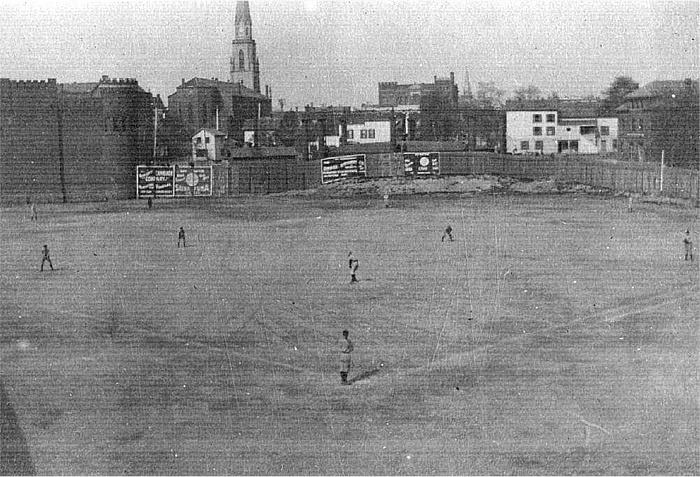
546,132
208,144
369,132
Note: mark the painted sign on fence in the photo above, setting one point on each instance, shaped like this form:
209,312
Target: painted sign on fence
193,181
154,181
421,163
336,169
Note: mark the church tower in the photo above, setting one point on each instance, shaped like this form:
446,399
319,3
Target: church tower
245,68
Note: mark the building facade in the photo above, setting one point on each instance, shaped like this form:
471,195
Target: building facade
208,145
540,127
662,117
213,104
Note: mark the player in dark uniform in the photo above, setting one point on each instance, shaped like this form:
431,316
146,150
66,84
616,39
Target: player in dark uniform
448,233
353,264
46,258
688,244
181,238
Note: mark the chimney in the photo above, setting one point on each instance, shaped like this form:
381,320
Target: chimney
183,81
452,76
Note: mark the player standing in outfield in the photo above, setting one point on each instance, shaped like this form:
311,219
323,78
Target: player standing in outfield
688,244
46,258
346,349
448,233
353,263
181,238
32,211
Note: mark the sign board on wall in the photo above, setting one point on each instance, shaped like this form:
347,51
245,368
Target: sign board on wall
336,169
421,164
154,181
193,181
173,181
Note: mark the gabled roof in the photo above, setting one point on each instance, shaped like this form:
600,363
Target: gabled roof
662,88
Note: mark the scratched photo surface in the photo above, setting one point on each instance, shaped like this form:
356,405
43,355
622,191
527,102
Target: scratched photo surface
340,238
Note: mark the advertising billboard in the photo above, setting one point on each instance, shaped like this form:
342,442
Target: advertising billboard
154,181
193,181
337,169
421,164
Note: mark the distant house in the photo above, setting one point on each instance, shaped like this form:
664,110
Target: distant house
208,145
540,127
662,116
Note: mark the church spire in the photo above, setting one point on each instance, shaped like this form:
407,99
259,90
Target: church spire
245,68
244,25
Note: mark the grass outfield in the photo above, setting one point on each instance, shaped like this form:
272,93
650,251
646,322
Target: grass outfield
556,335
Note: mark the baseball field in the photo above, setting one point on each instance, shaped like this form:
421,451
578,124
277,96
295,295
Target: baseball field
557,334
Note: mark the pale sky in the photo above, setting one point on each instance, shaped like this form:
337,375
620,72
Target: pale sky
336,51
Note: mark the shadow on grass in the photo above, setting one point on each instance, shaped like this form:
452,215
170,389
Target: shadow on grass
365,375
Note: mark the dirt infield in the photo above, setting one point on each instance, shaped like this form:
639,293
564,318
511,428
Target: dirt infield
557,334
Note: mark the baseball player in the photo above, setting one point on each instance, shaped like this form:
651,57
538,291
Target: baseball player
448,233
353,264
46,258
346,349
181,238
688,244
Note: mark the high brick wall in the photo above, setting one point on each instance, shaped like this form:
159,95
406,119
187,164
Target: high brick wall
74,143
29,141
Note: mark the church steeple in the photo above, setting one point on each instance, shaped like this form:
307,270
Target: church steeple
244,25
245,68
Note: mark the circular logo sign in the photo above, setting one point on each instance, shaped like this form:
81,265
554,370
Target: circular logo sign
424,161
191,179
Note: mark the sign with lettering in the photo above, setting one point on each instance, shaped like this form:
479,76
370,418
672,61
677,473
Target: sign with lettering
337,169
154,181
193,181
421,164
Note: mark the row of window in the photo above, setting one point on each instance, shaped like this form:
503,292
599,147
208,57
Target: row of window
537,118
364,134
551,130
539,145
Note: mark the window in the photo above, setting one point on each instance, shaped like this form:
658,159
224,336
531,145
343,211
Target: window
199,140
551,118
370,133
551,130
539,145
363,134
614,144
241,60
536,118
525,145
350,134
605,130
587,130
206,140
536,131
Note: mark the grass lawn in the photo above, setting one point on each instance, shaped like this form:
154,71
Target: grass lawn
557,334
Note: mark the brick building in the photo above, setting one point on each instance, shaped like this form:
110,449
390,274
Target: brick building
661,116
77,141
202,103
392,94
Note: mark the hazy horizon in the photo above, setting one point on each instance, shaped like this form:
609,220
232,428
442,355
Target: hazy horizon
335,52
